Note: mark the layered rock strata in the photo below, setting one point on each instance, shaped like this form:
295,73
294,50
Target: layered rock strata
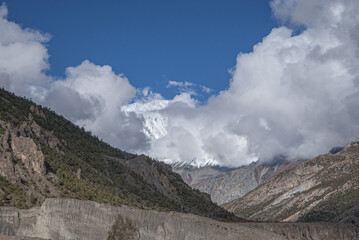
75,219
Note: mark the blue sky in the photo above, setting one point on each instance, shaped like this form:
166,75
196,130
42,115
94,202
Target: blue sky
150,42
292,90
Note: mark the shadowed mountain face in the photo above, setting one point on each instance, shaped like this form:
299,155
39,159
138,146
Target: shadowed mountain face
43,155
325,188
226,184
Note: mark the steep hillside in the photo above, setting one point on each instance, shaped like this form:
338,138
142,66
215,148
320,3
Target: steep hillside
325,188
44,155
226,184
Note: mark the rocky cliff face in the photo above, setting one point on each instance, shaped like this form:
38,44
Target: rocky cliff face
225,184
75,219
24,179
322,189
17,147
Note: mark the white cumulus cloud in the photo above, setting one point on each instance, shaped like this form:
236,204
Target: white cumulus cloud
23,57
294,94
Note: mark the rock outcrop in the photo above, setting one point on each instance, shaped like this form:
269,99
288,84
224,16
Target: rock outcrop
24,179
26,149
75,219
16,147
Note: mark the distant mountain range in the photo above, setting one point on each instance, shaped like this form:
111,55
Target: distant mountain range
226,184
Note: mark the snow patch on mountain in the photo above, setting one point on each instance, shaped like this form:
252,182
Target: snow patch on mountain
196,163
154,122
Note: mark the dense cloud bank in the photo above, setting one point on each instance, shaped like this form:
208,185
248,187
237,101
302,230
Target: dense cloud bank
294,94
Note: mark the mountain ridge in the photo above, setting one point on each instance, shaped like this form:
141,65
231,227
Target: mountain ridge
324,188
44,155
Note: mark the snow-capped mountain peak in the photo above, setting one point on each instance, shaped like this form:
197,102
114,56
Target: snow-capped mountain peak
154,122
155,127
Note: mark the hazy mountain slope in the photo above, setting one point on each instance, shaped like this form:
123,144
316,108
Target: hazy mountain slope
193,175
225,184
44,155
325,188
